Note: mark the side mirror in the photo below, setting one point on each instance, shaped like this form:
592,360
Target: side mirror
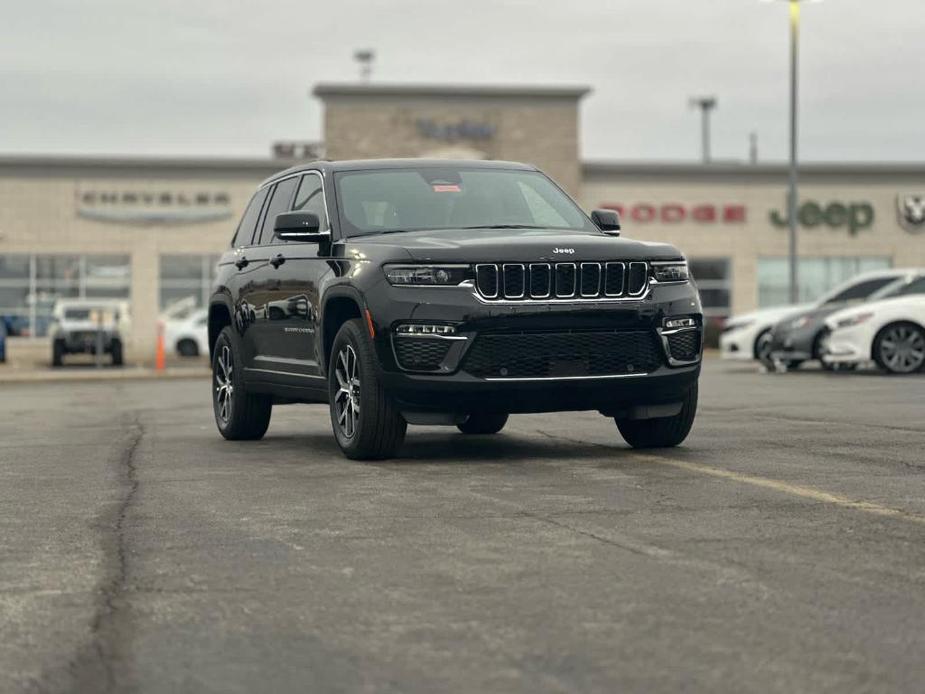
299,226
607,221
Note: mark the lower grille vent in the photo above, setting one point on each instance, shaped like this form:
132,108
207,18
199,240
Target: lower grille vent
562,355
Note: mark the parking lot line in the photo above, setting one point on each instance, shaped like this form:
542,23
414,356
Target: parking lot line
786,488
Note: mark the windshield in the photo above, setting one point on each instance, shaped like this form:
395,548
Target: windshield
413,199
103,315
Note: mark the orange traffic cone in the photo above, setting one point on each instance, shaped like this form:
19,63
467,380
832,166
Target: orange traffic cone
159,356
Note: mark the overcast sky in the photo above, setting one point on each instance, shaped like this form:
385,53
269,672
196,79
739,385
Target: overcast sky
228,77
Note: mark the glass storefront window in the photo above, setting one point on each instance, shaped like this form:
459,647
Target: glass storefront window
31,284
186,282
714,280
816,276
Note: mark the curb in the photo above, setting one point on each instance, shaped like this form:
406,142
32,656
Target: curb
92,374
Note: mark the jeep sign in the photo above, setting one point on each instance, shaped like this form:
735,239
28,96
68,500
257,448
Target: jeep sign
854,216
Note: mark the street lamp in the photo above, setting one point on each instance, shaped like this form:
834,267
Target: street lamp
705,104
792,196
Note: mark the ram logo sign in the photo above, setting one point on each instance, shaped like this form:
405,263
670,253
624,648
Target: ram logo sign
911,212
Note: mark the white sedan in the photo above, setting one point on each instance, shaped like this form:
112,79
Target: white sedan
890,332
748,335
189,336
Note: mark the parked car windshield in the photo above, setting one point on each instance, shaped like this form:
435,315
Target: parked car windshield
432,198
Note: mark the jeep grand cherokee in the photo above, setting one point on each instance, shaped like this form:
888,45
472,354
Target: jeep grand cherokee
438,292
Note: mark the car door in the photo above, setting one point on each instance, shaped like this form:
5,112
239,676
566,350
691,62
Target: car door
258,284
298,270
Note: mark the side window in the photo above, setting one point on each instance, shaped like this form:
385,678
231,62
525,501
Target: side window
245,231
279,203
861,290
916,286
310,198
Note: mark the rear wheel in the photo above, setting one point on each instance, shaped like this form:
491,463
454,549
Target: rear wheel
483,423
187,348
239,415
900,348
117,352
662,432
57,352
366,422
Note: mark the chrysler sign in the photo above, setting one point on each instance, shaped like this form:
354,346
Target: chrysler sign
153,206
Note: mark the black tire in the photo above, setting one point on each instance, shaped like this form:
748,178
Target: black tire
483,423
663,432
239,415
367,425
899,348
187,348
762,349
117,353
57,353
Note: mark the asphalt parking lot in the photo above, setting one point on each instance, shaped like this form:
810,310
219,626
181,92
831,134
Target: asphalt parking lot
782,549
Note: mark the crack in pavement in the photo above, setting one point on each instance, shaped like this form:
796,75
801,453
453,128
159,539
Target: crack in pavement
93,668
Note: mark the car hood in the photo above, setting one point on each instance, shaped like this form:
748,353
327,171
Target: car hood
768,316
517,245
896,302
811,318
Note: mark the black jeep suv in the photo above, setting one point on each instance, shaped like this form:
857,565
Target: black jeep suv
441,292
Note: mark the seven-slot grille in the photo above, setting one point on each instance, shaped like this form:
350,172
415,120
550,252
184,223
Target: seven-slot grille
572,280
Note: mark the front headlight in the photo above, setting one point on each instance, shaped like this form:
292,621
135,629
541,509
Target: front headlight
670,272
424,275
856,319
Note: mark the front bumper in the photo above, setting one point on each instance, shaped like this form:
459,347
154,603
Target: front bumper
86,341
737,344
452,385
846,346
794,345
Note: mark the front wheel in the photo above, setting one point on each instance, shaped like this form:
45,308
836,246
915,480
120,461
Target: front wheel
366,422
239,415
662,432
483,423
900,348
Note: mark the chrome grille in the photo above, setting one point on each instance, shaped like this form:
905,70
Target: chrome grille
584,280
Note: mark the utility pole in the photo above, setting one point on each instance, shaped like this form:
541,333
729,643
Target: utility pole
706,104
365,59
753,148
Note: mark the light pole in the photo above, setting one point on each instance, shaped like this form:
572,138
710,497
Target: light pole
793,186
705,104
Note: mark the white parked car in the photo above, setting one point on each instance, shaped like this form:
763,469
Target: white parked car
748,335
890,332
188,336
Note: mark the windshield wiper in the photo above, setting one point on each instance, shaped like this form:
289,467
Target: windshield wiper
502,226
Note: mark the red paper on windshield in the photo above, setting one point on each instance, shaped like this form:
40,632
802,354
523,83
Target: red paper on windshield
447,188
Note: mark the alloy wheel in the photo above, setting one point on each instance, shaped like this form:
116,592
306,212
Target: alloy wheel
902,349
347,397
224,388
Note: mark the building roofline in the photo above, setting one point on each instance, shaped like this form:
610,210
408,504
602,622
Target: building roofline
326,89
51,163
595,167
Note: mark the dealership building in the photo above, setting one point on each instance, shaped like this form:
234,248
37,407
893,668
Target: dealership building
150,230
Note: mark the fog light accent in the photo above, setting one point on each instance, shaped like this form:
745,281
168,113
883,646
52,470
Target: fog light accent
675,323
424,329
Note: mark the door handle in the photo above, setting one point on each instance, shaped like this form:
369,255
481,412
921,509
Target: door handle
278,260
241,262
